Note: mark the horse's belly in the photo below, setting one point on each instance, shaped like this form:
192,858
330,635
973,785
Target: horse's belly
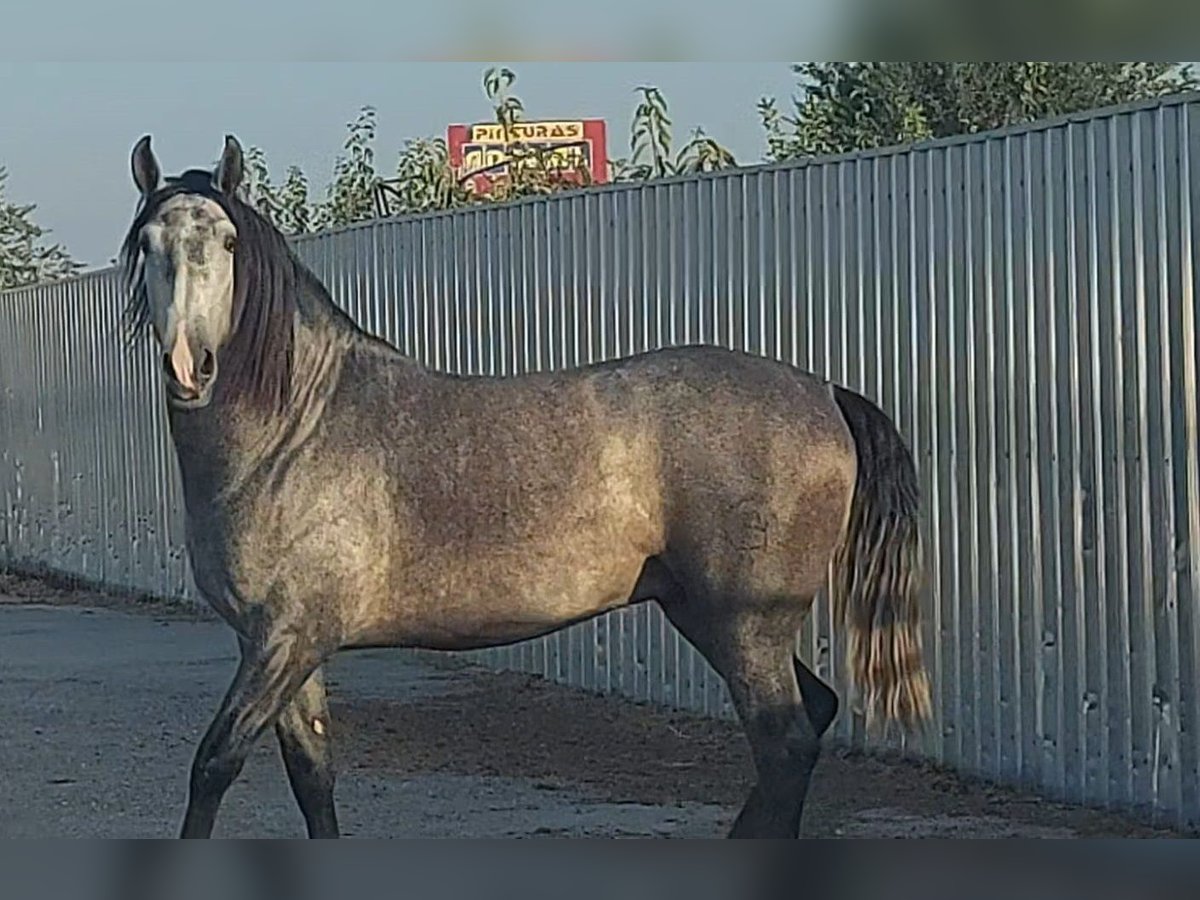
501,600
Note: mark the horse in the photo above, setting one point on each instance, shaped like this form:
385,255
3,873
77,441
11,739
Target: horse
339,494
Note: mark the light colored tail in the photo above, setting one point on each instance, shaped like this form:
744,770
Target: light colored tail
878,571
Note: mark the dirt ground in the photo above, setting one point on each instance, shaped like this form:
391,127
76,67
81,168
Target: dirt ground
479,728
518,726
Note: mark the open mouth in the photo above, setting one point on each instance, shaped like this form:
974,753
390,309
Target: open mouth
179,396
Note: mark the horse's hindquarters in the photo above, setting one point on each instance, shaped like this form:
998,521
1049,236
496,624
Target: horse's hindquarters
758,495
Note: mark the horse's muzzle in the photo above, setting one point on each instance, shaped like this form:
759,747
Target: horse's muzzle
189,385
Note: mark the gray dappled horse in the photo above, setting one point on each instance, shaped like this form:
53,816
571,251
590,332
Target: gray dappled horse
340,495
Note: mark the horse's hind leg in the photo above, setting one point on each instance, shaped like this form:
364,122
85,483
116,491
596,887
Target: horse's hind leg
783,707
304,742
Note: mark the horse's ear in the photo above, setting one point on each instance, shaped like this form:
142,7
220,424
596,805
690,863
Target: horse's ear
146,173
228,174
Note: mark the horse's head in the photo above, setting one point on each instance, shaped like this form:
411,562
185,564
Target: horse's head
180,257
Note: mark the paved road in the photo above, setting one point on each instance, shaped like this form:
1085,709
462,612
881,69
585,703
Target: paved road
101,711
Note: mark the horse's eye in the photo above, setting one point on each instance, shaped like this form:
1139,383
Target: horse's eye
230,243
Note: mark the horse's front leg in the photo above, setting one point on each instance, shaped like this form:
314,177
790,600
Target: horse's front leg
271,671
305,743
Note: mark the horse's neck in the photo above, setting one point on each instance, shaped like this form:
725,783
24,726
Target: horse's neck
222,448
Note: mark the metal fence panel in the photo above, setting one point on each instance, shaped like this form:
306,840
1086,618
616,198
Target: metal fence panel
1022,302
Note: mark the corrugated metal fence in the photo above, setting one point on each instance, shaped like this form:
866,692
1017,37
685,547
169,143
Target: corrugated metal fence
1023,302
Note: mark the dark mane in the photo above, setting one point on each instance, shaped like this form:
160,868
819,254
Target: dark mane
257,361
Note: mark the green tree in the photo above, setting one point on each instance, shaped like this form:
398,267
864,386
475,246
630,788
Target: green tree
350,196
287,205
25,257
296,212
651,136
424,180
843,106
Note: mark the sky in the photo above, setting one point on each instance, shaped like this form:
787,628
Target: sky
68,128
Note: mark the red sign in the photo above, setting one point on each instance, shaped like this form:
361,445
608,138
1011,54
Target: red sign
480,154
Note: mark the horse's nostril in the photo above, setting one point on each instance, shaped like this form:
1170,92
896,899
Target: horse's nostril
208,365
166,361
